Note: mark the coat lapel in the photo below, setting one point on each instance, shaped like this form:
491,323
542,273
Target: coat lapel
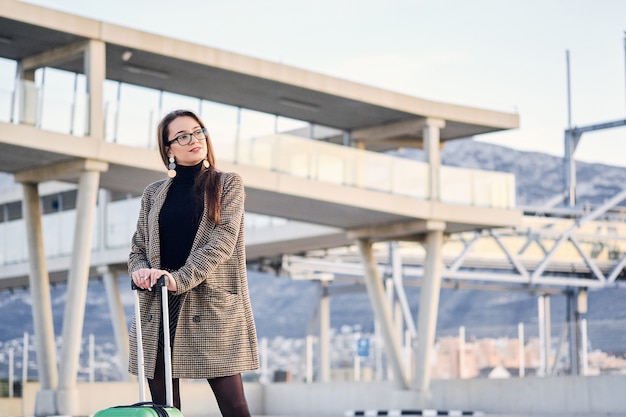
153,223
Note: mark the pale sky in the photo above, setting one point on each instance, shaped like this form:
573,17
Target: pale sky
505,55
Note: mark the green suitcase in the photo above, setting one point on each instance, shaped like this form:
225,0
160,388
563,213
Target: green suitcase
146,408
141,409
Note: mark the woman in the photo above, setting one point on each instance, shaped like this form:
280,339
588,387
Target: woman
191,229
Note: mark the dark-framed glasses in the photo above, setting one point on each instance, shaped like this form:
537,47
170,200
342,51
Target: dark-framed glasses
187,138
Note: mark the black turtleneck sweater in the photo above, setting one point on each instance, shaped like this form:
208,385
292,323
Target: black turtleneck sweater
178,223
179,218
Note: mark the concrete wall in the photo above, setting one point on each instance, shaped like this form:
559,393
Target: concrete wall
558,395
567,394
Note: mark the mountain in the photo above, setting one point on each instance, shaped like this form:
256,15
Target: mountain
285,308
539,177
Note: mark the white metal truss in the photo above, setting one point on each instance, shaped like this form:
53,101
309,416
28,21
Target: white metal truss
547,254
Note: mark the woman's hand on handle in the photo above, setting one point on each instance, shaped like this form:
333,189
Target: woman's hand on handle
169,280
142,278
146,278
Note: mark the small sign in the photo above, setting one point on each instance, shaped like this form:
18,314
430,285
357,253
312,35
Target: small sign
363,347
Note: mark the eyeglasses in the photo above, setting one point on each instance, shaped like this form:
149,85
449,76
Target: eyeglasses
187,138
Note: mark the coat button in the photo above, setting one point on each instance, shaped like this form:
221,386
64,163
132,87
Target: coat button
196,319
149,317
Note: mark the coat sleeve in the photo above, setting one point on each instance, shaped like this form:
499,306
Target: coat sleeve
220,239
138,257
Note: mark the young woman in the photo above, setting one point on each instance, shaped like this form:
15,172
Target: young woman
191,229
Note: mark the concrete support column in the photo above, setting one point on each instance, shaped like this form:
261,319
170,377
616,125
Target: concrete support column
95,69
382,312
67,400
118,318
428,310
324,333
433,155
41,303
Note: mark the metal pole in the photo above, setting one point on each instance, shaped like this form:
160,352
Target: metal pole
91,357
116,119
548,331
74,100
24,363
167,348
324,311
521,353
625,58
264,361
583,347
569,145
141,375
11,371
309,359
542,337
572,321
569,92
461,352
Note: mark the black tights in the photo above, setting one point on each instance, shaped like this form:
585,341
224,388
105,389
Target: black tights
228,391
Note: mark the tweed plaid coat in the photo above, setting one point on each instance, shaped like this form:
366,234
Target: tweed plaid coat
215,334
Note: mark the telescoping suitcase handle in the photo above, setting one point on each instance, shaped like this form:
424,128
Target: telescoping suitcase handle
167,351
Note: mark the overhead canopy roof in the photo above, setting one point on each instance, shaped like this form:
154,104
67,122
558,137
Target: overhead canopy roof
195,70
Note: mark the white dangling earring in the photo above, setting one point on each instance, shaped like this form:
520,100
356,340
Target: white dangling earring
171,171
205,163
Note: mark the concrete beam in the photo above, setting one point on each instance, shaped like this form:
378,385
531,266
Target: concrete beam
392,130
412,230
54,56
61,171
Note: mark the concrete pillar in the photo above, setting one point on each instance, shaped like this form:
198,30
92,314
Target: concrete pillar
67,400
324,315
95,70
428,309
39,282
433,155
118,318
382,312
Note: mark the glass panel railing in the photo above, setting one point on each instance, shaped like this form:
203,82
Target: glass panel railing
13,247
343,165
121,221
6,105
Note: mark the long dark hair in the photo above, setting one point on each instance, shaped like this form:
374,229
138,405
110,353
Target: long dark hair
208,185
